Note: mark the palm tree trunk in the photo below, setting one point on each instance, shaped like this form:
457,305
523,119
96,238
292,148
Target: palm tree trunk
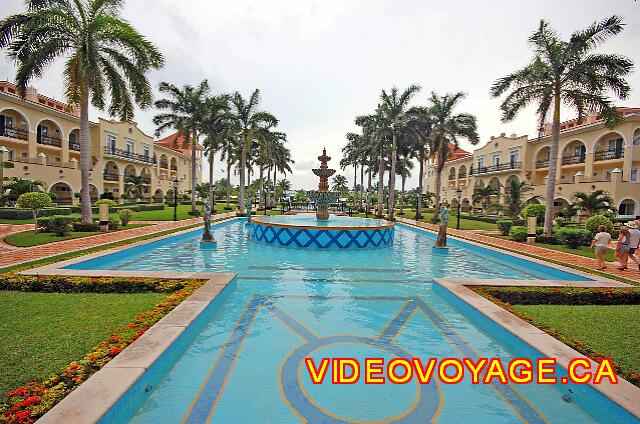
212,156
380,185
361,185
392,178
85,146
194,178
553,166
368,204
420,177
268,190
355,184
262,196
228,182
439,168
243,164
275,177
404,179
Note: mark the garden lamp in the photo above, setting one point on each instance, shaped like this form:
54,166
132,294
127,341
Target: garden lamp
459,197
176,183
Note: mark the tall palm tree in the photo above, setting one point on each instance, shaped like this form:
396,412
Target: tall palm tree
419,133
249,120
393,106
185,112
483,196
566,73
268,142
216,124
339,184
594,202
513,197
104,55
282,186
230,154
448,128
405,165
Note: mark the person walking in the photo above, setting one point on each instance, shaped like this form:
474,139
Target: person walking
601,244
622,247
634,242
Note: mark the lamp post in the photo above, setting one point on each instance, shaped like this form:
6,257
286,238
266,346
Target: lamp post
3,150
459,197
176,183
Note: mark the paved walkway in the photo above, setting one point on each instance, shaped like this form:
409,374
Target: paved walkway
632,273
14,257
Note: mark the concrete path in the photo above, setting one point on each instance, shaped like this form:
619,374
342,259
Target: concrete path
14,257
568,258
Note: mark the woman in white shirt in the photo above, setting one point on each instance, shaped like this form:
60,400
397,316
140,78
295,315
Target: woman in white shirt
601,244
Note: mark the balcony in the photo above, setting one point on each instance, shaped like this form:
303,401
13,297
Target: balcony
164,165
111,177
74,146
496,168
609,155
452,177
124,154
174,168
542,163
573,160
17,133
49,140
462,175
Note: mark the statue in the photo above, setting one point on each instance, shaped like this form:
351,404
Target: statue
207,239
441,241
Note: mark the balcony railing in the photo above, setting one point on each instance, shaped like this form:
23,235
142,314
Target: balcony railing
572,160
609,155
164,165
542,163
462,175
452,177
174,167
496,168
111,177
128,155
49,140
17,133
74,146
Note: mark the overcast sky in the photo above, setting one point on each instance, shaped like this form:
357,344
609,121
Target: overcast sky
320,63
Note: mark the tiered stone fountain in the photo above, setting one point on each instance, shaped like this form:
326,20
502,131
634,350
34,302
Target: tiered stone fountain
323,198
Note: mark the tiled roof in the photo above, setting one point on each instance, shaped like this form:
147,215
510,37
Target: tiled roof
177,142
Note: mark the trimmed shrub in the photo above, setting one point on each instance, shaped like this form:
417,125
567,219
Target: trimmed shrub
60,225
125,216
518,233
85,226
563,296
111,203
542,238
573,237
151,207
113,225
18,213
504,225
595,221
534,210
44,224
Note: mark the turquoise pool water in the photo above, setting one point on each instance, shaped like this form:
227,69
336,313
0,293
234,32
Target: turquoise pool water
240,361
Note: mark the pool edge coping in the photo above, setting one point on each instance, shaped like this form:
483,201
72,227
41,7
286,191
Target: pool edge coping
90,401
624,394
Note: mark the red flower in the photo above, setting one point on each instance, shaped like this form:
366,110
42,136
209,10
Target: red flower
114,351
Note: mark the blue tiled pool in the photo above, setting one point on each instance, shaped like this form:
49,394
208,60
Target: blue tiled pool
240,362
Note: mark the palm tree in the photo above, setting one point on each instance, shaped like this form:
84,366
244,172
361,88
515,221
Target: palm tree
217,123
566,73
340,184
447,129
594,202
104,54
393,107
419,133
135,186
15,186
483,196
203,190
230,154
405,165
514,192
248,121
282,187
185,112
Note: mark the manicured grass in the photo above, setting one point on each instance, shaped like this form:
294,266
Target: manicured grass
30,238
40,333
609,330
465,224
581,251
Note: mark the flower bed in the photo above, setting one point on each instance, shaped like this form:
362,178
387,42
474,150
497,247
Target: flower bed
26,404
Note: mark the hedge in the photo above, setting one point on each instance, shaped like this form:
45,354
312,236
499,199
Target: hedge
61,284
563,295
504,225
17,213
573,237
482,218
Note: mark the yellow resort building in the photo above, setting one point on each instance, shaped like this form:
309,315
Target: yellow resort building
591,156
42,136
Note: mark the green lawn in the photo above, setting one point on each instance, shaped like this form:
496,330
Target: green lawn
610,330
465,224
41,333
29,238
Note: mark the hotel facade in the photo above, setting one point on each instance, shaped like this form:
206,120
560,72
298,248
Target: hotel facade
42,136
590,156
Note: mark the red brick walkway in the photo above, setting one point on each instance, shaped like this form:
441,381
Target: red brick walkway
13,257
632,273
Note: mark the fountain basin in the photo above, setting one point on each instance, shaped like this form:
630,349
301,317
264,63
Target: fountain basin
338,232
